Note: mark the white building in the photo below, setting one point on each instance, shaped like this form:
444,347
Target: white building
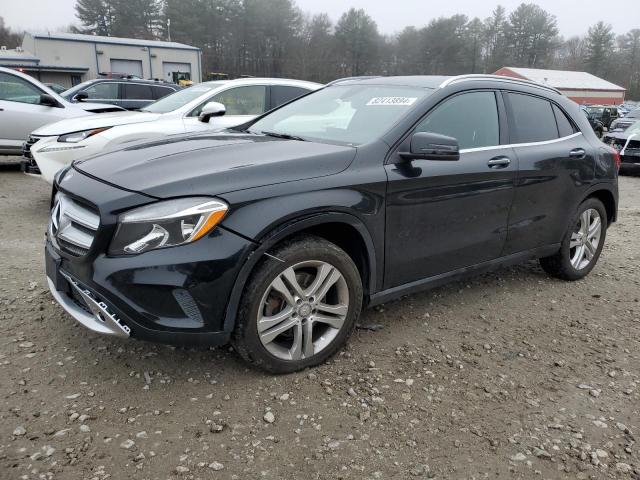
70,58
581,87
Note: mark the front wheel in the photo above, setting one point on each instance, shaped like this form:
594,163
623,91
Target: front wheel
299,310
582,245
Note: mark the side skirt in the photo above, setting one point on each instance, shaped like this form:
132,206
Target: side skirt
443,278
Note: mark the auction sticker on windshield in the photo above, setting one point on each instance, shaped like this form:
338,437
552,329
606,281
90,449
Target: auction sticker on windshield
403,101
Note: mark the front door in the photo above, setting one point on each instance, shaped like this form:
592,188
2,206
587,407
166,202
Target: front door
446,215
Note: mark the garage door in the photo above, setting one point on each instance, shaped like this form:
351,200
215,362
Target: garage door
170,67
132,67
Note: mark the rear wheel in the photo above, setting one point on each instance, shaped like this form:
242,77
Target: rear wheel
300,311
582,245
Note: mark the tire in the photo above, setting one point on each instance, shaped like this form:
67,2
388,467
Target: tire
278,343
599,133
567,264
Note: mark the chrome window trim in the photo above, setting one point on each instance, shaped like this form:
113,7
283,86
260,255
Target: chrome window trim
518,145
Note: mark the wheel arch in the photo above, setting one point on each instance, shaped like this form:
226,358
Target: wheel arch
606,194
342,229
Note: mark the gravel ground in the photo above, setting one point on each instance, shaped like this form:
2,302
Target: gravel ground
508,375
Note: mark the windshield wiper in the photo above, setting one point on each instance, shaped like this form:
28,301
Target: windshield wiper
283,135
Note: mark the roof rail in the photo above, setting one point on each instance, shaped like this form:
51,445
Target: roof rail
365,77
501,78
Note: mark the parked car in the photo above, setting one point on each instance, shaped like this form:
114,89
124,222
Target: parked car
129,93
597,125
604,113
56,87
627,142
625,122
62,142
273,235
26,104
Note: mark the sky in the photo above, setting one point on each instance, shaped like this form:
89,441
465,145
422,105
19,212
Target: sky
574,16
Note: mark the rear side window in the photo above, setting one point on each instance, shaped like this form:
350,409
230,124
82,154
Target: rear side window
159,92
565,126
136,91
533,119
471,118
281,94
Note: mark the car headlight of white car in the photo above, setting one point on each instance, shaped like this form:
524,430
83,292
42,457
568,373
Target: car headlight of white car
72,138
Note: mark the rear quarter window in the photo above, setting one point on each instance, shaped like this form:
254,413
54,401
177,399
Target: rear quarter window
565,126
533,119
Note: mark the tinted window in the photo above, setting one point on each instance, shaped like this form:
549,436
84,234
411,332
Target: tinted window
471,118
565,127
15,89
159,92
533,119
243,100
135,91
103,91
281,94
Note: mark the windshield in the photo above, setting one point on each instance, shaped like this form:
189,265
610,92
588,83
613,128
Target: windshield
68,94
595,110
343,114
180,98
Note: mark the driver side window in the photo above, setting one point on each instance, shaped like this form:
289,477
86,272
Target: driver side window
471,118
15,89
249,100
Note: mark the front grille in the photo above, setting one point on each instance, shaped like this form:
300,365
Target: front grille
73,225
29,164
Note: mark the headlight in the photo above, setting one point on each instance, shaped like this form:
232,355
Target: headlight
166,224
76,137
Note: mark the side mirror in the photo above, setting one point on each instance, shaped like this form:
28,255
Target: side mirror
432,146
81,96
48,101
210,110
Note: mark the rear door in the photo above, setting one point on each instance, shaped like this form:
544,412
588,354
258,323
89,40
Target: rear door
556,163
446,215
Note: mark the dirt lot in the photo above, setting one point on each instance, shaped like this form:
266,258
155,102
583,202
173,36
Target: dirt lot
509,375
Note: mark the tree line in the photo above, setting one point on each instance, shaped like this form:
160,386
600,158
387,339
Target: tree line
276,38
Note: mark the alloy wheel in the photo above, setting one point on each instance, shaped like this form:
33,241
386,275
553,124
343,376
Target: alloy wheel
585,239
303,310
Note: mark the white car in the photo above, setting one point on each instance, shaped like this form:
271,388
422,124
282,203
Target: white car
193,109
27,104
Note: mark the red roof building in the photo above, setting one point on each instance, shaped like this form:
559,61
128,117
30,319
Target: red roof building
581,87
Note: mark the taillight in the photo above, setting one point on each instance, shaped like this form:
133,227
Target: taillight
616,157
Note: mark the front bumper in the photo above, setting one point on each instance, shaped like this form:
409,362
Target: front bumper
96,316
176,295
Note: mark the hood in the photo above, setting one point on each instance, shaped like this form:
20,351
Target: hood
214,164
99,120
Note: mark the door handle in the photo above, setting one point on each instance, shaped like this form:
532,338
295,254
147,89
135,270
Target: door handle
499,162
578,153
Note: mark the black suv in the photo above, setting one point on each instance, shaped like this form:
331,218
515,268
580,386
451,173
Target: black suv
129,93
274,234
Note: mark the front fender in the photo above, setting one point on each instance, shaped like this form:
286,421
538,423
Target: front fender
291,227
